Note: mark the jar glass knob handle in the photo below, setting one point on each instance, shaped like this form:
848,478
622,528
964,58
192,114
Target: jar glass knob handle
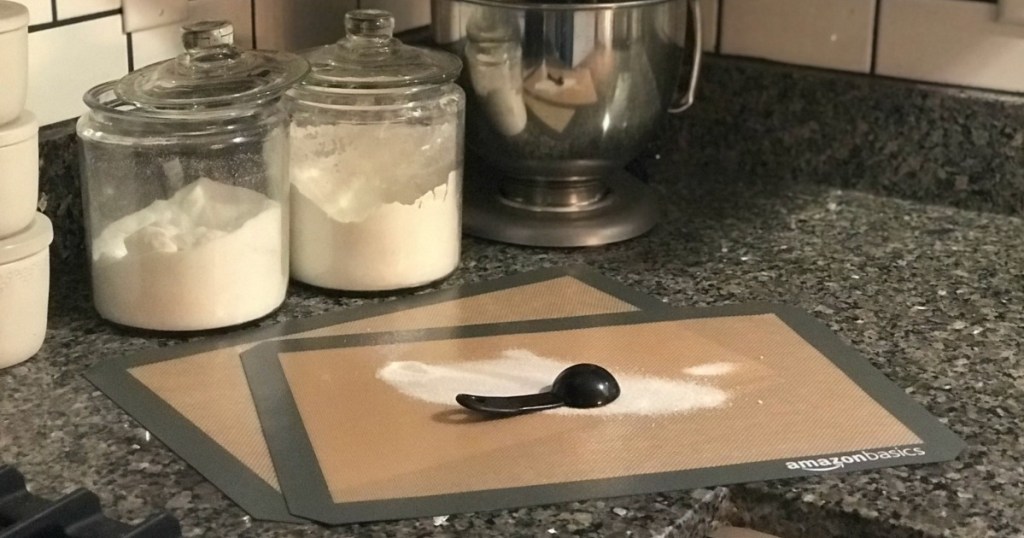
207,41
370,26
206,34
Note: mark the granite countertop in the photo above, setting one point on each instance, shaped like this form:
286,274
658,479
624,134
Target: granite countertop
933,296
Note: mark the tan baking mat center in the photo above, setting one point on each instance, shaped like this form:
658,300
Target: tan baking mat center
210,389
785,400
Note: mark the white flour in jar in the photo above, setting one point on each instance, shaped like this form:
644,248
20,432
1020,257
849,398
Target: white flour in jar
210,256
375,206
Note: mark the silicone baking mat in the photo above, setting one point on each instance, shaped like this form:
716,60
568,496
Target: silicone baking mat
364,427
195,398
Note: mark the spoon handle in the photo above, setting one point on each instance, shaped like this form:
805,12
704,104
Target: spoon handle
510,405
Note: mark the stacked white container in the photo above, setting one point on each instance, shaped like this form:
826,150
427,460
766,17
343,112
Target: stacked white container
25,234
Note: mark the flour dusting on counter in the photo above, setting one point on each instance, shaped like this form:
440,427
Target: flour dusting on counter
520,371
711,369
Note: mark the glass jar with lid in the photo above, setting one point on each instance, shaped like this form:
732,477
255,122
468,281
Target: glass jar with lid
376,162
185,183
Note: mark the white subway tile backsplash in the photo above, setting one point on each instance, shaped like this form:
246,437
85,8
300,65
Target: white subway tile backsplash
39,11
239,12
146,14
67,9
66,61
951,42
943,41
156,44
834,34
408,13
283,25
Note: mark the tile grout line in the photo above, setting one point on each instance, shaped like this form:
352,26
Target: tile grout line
873,67
719,26
53,9
74,20
252,16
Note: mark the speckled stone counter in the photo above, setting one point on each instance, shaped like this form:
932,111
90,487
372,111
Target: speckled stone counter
963,148
933,296
62,433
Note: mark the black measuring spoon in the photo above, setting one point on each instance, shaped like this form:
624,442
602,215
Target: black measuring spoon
580,386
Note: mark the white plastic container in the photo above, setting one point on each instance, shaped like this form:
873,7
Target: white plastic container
19,173
13,59
24,291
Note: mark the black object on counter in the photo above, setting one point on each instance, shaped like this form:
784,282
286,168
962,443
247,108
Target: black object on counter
581,386
75,515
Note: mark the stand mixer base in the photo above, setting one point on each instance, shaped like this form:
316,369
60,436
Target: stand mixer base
628,210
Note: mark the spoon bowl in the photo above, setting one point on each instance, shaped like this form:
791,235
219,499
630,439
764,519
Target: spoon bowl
584,386
581,386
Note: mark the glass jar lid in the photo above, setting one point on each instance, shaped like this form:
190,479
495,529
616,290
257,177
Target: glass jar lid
370,58
212,73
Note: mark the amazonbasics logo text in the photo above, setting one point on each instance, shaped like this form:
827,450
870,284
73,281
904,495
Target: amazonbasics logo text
838,462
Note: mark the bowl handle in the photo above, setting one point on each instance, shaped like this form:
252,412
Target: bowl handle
683,101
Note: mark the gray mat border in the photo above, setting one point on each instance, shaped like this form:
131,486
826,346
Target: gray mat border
238,482
306,490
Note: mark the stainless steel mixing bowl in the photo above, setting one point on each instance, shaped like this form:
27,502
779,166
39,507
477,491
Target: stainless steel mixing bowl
561,95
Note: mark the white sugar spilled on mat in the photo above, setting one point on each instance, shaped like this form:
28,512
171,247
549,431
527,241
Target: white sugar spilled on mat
711,369
522,372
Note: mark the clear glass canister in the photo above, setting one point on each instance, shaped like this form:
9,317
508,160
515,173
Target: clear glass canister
376,162
185,183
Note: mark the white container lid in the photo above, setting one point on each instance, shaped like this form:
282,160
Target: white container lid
13,16
28,242
22,128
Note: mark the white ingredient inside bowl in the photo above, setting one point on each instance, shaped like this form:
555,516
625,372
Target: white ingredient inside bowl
374,207
398,246
211,256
